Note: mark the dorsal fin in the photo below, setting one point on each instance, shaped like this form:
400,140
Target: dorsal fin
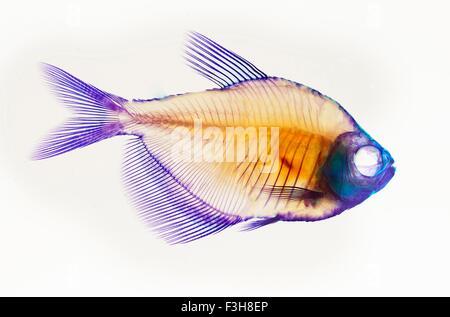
218,64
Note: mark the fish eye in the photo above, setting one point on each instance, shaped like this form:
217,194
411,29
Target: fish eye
368,160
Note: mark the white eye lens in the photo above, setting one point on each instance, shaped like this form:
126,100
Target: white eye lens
367,160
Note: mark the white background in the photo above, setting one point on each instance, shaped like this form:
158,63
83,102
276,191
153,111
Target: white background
67,228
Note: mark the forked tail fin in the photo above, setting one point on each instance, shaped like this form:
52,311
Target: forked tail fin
96,114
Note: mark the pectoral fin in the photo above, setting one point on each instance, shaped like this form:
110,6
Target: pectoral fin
292,193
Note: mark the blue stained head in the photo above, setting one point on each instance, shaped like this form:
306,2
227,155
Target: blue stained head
353,183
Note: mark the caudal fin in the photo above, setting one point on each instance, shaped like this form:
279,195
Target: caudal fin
96,114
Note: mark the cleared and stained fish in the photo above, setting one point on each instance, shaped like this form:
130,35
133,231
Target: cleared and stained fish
256,150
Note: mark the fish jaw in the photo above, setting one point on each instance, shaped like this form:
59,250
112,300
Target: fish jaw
388,175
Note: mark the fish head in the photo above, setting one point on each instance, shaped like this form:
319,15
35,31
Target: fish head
357,167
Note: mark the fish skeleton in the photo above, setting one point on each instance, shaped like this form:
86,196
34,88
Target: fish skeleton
256,150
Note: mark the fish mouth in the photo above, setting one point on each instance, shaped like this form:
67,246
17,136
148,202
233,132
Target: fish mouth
388,174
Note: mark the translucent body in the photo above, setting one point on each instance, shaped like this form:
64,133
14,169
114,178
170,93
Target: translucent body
308,123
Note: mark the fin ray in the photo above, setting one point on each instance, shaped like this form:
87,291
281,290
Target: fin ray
175,213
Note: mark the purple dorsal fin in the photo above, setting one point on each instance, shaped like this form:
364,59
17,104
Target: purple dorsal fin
218,64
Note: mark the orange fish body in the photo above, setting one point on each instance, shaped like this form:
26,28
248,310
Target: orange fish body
308,124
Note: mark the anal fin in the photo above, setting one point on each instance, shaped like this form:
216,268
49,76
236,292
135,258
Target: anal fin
174,212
